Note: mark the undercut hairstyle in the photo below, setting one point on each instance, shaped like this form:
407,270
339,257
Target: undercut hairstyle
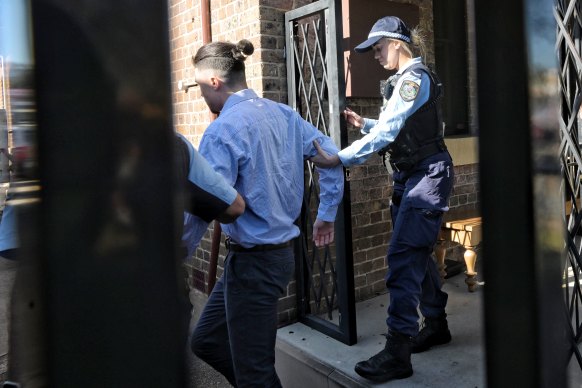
226,58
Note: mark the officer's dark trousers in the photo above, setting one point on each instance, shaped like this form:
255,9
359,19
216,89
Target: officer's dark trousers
237,330
418,202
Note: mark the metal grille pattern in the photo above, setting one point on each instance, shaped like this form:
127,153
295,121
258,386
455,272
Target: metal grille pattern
310,63
325,281
569,21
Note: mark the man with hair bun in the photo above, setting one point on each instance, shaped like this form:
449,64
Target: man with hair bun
259,146
408,134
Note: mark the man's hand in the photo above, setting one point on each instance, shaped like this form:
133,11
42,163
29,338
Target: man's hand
236,209
322,233
323,159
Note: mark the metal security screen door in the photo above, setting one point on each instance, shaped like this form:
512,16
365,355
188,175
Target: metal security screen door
569,34
325,281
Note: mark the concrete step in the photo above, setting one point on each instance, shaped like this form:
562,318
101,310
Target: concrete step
308,359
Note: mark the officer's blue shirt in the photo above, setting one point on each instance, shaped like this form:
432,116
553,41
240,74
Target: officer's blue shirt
259,146
205,179
212,193
380,133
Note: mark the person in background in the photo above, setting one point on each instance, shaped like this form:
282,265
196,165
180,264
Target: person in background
408,134
259,146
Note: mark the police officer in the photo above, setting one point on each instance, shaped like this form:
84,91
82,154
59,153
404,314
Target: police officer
408,134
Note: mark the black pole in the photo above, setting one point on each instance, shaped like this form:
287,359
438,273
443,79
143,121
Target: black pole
115,312
523,307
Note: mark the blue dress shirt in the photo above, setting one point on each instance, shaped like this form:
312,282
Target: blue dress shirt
380,133
259,146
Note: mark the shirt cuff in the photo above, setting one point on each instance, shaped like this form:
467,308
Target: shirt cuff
326,213
230,195
345,157
368,124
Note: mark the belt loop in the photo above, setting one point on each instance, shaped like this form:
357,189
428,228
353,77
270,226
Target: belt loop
227,243
394,167
387,163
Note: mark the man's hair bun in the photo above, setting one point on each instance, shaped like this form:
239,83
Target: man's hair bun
244,48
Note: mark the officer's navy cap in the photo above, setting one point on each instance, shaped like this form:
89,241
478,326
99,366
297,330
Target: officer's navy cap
387,27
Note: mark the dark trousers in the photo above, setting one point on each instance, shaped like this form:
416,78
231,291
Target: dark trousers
413,281
237,330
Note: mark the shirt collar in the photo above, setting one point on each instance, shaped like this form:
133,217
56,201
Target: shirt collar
240,96
410,63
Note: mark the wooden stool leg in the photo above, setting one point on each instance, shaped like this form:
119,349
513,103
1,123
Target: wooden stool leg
470,259
439,252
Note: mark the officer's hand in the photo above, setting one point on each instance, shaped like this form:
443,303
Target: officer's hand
322,233
353,118
323,159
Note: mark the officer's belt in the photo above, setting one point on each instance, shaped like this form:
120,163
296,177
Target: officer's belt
423,152
232,246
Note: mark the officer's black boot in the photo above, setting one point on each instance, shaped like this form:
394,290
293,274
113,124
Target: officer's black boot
435,332
393,362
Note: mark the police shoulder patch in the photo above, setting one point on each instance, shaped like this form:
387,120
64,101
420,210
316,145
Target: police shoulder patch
409,90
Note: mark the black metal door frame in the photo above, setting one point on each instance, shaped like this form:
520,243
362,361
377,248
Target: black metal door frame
314,66
569,46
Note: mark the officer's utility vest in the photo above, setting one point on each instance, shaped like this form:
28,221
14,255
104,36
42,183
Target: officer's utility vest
421,136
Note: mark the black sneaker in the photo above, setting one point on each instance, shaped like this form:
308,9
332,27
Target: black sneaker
435,332
392,362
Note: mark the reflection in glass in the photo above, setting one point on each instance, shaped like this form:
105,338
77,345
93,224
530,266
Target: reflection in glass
18,161
18,169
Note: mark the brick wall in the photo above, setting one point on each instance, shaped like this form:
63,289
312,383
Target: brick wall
262,22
